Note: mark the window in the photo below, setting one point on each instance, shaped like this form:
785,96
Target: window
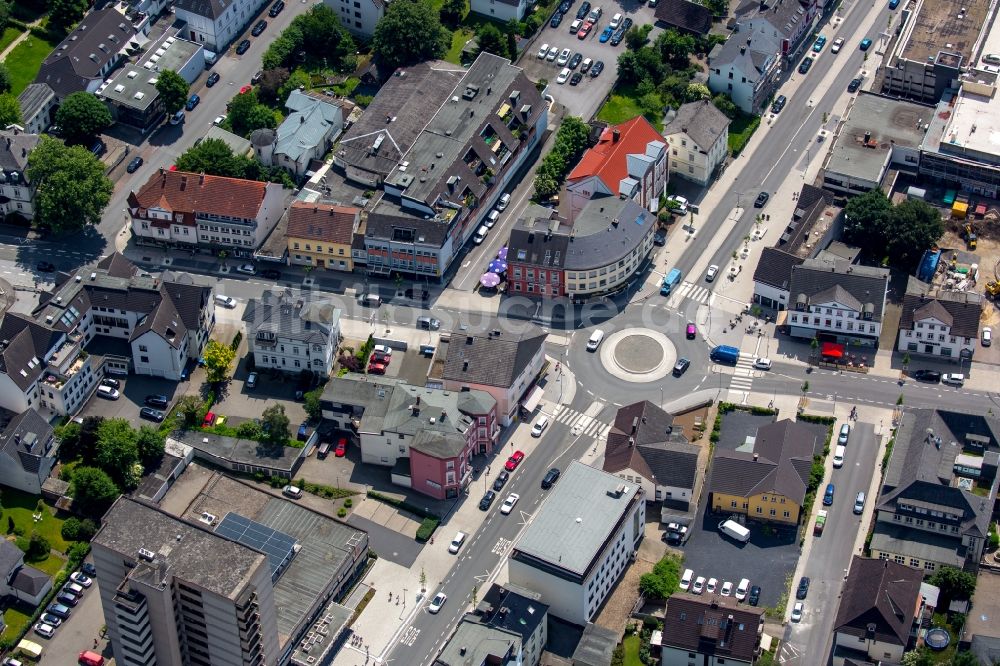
144,359
142,348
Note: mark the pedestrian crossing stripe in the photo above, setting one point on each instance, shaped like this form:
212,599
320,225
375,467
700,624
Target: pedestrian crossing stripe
695,292
743,374
580,422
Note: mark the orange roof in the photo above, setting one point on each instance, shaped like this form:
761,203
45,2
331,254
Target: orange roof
183,192
322,222
607,160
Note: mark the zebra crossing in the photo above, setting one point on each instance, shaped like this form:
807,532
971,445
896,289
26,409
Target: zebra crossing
743,375
581,423
695,292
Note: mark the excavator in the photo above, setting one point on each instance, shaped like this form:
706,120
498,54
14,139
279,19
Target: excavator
969,234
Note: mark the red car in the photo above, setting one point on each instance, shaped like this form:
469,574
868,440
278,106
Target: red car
514,461
209,420
376,368
379,357
585,30
245,89
341,449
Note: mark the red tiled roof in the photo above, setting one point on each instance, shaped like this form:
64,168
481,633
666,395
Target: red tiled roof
184,192
607,159
322,222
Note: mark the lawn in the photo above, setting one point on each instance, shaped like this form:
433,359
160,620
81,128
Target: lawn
619,108
740,130
631,644
21,507
458,40
25,61
17,621
9,35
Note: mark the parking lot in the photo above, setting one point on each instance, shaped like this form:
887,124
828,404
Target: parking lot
133,390
584,99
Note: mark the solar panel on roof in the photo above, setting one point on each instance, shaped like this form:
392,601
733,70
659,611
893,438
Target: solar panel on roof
278,546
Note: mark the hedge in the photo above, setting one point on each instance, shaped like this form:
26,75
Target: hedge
426,529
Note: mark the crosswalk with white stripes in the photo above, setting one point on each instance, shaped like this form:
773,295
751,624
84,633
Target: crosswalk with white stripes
743,375
580,423
690,290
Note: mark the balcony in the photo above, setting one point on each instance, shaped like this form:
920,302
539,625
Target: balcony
56,378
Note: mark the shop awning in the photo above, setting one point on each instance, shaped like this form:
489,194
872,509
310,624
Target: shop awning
832,350
534,398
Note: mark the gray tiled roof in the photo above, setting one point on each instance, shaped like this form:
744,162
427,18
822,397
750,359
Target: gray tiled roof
961,310
14,150
530,241
879,593
820,281
474,643
685,15
438,444
10,557
597,241
31,581
483,358
211,9
388,217
932,547
701,120
311,123
33,98
774,268
652,449
25,438
779,463
289,316
80,58
748,59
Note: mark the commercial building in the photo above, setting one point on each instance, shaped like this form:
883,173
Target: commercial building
216,23
940,322
580,541
131,93
937,495
193,211
359,17
766,479
879,613
684,16
37,102
607,242
320,235
502,360
629,161
501,10
710,629
314,122
91,51
878,135
292,333
698,137
27,452
644,447
17,194
426,435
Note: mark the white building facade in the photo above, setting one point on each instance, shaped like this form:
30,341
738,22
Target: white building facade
699,141
359,17
501,10
216,23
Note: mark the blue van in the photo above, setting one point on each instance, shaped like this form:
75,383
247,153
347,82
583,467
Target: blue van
828,495
725,354
672,279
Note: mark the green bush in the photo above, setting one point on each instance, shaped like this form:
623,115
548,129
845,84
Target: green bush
341,512
348,502
75,529
663,580
426,529
237,339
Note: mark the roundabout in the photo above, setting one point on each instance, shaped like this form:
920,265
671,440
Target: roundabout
638,355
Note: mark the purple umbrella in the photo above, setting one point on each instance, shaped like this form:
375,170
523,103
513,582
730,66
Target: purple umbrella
502,254
498,266
489,280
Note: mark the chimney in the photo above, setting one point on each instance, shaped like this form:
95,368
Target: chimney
465,365
755,457
184,182
615,136
201,178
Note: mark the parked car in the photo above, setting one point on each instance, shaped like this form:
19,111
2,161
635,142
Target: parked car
251,381
108,393
583,10
803,590
66,599
564,57
575,61
542,52
986,338
797,611
556,20
292,491
553,54
49,618
243,47
487,501
711,585
819,43
727,589
761,200
550,478
220,119
134,164
585,65
514,461
341,449
575,26
192,102
539,427
779,104
276,8
258,28
498,483
152,414
699,585
691,331
866,44
859,504
754,597
805,65
257,76
156,400
854,85
597,69
932,376
711,273
585,30
177,118
375,367
503,201
575,79
382,350
59,610
563,75
606,34
45,630
113,383
508,504
246,269
80,579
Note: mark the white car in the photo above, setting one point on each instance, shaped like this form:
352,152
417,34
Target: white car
553,53
711,585
699,585
292,491
713,270
677,528
508,504
797,611
246,269
762,364
837,45
219,119
437,602
492,218
727,589
542,52
616,21
504,200
45,630
682,203
382,350
107,392
563,75
80,579
564,57
987,336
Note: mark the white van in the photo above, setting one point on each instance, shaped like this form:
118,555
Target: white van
686,579
743,589
480,236
838,456
616,21
595,340
371,300
733,529
540,426
457,542
225,301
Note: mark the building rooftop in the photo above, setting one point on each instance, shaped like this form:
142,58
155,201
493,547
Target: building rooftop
512,608
861,288
814,214
312,121
606,230
713,625
982,619
577,518
134,85
240,451
15,146
184,549
25,439
967,122
389,221
494,357
960,310
880,593
643,439
874,124
701,120
474,643
944,26
780,463
774,268
10,557
608,159
596,646
236,143
322,222
33,98
690,16
192,193
282,314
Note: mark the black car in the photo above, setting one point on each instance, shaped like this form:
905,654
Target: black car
88,569
626,24
597,68
805,65
157,401
932,376
660,239
242,47
565,7
213,78
754,597
550,477
134,164
271,274
276,8
681,367
556,20
113,383
66,600
575,79
617,38
761,200
487,500
583,10
152,414
501,479
779,104
258,28
854,85
803,590
575,61
45,267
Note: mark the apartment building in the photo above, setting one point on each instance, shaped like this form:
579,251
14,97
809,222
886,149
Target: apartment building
509,625
698,139
17,194
27,452
320,235
941,323
710,630
38,103
292,333
216,23
747,66
581,539
501,10
359,17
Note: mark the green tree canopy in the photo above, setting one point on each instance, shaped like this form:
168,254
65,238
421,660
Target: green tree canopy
914,226
866,218
725,104
5,9
92,490
491,40
452,12
189,406
247,114
319,34
173,90
150,443
218,359
954,584
117,450
270,83
276,425
10,110
72,188
410,32
82,116
676,47
213,156
64,13
4,73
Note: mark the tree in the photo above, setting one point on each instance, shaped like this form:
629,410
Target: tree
72,188
914,226
64,13
93,490
312,405
919,657
675,48
117,450
82,116
281,51
491,40
323,35
270,82
173,90
5,9
965,659
299,78
725,104
150,443
10,110
4,73
276,425
866,218
954,584
637,37
189,407
69,439
408,33
213,156
247,114
512,45
696,91
452,12
218,358
75,529
38,548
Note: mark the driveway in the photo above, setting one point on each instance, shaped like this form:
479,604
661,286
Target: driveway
133,390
